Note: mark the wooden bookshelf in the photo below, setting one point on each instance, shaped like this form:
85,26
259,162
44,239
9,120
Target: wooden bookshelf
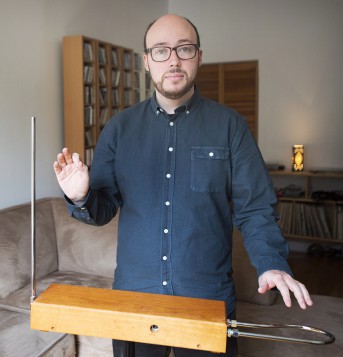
128,79
98,83
138,93
306,217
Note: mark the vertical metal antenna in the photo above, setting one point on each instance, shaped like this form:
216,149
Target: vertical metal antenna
33,211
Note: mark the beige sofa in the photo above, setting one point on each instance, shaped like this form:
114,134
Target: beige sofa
71,252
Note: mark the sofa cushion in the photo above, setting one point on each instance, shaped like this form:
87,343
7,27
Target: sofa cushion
79,248
15,245
326,313
94,346
17,339
20,299
245,276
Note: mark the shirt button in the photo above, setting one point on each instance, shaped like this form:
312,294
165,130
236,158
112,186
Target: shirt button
165,231
168,176
164,257
167,203
171,123
170,149
164,283
211,154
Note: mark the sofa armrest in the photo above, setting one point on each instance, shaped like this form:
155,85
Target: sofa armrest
15,245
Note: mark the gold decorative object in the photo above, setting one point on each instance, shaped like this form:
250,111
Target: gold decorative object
298,158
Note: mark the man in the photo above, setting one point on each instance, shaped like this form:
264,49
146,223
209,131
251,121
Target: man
173,164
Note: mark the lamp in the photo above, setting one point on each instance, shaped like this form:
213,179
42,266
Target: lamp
298,158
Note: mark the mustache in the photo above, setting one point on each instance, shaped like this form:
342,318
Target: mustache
175,70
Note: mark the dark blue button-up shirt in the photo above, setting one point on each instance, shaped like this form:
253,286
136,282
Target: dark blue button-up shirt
181,183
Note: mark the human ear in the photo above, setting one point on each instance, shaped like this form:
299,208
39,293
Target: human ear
146,64
200,58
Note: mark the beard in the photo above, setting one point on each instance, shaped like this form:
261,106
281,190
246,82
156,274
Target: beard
174,93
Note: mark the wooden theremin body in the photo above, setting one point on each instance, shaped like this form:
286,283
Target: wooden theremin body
131,316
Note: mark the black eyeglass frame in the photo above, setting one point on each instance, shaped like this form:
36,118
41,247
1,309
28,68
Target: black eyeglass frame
148,50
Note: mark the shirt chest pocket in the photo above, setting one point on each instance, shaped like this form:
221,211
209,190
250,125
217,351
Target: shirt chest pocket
209,169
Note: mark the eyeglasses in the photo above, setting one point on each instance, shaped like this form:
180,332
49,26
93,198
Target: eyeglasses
163,53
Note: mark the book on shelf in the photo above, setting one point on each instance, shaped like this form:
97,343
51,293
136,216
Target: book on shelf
89,95
103,117
88,72
103,96
114,57
305,219
323,222
127,79
115,98
138,62
115,78
89,137
137,80
102,55
285,214
89,115
127,97
136,96
87,52
102,76
127,60
89,154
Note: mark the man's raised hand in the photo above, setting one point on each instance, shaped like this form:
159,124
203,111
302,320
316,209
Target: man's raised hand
72,175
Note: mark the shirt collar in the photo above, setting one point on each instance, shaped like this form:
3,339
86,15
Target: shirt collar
187,107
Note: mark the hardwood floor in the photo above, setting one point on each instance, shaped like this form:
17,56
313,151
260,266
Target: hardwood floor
321,273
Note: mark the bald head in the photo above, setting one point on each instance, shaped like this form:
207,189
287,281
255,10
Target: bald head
175,39
171,23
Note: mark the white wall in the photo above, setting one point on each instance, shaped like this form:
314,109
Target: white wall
31,77
298,45
299,48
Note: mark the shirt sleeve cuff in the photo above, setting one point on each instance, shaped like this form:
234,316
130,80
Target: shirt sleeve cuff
274,263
